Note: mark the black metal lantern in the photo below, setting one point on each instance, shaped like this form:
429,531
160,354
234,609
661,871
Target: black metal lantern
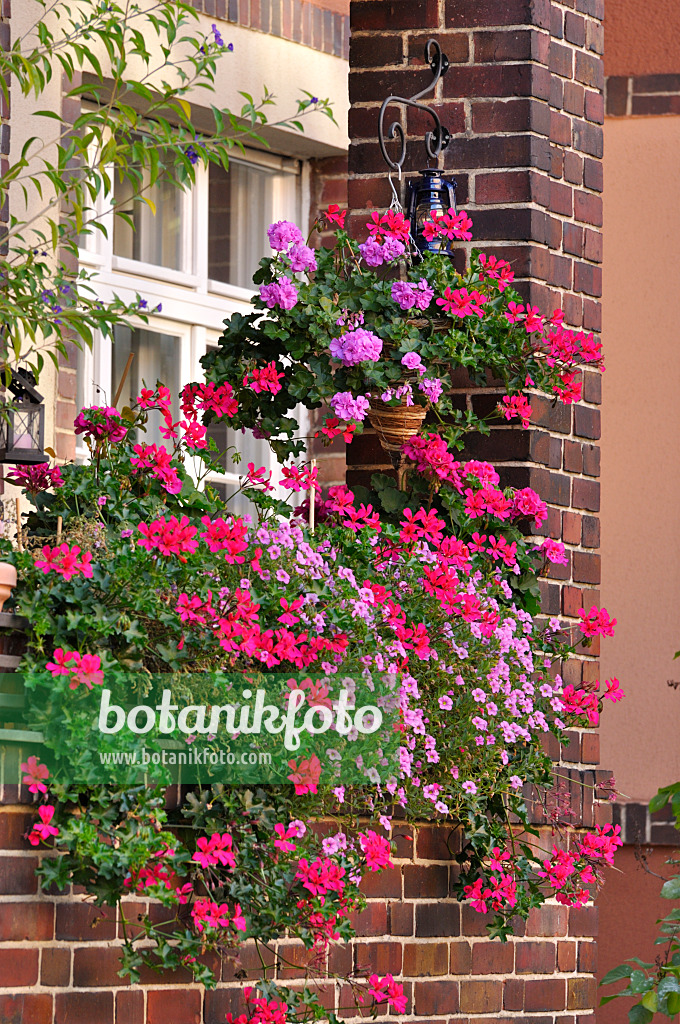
430,196
22,422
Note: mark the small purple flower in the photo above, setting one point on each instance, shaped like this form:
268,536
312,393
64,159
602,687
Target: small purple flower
412,361
125,533
301,257
431,388
142,304
282,234
192,154
219,41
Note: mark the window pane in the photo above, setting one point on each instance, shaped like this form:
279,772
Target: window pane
157,237
156,358
243,202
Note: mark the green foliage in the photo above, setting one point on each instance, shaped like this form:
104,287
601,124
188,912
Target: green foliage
133,70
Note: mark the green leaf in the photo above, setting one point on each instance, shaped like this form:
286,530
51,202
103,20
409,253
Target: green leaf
658,802
670,890
650,1002
617,973
640,1015
673,1003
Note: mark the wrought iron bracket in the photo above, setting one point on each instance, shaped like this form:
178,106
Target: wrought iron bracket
435,140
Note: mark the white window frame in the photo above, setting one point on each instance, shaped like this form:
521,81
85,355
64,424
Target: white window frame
194,307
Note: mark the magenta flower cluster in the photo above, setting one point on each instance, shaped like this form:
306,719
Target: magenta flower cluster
358,346
347,407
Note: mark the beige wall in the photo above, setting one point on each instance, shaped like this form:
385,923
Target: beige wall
641,451
641,38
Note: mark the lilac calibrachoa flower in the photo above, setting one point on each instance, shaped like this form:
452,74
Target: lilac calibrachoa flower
356,346
284,233
347,407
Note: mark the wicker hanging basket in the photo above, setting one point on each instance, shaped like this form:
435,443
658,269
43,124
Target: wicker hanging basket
394,425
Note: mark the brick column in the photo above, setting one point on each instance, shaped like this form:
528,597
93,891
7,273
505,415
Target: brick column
524,100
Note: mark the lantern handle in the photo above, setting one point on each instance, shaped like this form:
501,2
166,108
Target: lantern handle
435,140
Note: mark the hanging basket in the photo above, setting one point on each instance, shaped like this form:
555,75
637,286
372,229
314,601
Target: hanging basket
394,425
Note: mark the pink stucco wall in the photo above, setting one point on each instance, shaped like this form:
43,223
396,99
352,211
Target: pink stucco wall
641,37
641,450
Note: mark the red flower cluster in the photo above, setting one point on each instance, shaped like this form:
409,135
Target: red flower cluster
159,463
264,379
171,536
36,478
83,668
596,622
65,560
449,226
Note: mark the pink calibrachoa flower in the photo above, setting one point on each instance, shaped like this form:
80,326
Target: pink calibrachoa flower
596,622
43,829
377,851
35,775
171,536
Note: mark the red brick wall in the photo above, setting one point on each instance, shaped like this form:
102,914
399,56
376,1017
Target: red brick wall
59,961
321,24
524,100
